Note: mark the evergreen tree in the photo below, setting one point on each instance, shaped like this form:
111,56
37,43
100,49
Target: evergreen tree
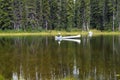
63,14
77,16
39,13
59,14
87,14
70,13
108,14
46,14
55,7
118,14
102,14
95,14
24,15
114,11
17,14
31,14
6,15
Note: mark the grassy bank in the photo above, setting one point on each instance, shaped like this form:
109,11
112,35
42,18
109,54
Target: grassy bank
54,32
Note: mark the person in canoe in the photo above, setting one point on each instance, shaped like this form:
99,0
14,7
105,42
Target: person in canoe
59,35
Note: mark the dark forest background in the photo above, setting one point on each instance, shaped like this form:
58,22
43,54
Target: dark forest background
59,14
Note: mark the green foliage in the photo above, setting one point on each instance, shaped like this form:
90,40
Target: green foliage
96,14
63,14
5,14
59,14
46,14
77,16
55,8
70,13
1,77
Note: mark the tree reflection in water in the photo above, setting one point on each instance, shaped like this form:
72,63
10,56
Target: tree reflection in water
41,58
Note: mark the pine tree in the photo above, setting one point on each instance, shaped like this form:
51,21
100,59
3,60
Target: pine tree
31,14
55,7
17,13
39,13
108,14
87,14
95,14
114,11
102,14
118,14
59,14
70,14
24,15
63,14
6,16
46,14
77,16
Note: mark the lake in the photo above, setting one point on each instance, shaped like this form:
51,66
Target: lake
44,58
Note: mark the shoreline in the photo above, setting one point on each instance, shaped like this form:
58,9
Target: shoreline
53,33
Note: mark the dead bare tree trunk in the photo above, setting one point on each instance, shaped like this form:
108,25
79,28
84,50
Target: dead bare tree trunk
46,25
119,26
103,14
113,26
87,26
113,21
84,27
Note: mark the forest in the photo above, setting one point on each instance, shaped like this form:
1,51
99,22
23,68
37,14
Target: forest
59,15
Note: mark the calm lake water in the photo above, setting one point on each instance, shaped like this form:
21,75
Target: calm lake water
44,58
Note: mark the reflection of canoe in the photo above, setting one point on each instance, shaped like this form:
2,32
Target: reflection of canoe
73,40
66,37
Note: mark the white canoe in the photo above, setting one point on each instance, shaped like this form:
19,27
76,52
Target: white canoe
66,37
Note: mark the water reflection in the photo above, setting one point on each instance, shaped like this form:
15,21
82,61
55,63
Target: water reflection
41,58
60,38
15,76
71,40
